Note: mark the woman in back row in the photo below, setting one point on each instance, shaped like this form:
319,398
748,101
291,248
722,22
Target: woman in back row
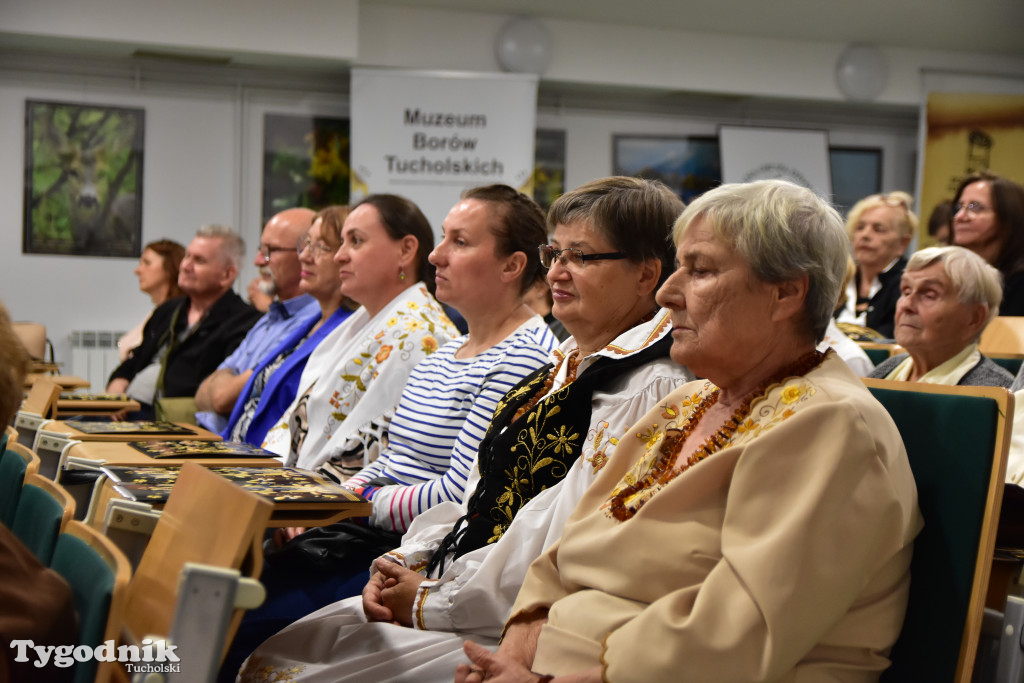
158,277
988,219
880,228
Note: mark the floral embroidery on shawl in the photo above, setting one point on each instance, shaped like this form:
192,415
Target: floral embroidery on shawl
358,371
255,670
777,404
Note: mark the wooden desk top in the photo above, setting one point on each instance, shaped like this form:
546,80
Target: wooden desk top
63,381
98,407
122,455
66,429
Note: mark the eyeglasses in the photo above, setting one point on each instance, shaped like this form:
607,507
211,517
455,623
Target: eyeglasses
319,247
973,208
266,250
572,257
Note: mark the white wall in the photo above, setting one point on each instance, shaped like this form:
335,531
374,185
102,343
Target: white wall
589,139
673,60
317,29
190,173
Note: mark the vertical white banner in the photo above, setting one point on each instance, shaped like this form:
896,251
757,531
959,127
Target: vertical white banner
799,156
429,135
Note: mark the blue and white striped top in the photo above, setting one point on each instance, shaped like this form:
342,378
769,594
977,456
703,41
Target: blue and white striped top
440,420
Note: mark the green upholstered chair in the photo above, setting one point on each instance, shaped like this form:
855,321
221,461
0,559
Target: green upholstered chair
957,439
98,574
44,509
16,462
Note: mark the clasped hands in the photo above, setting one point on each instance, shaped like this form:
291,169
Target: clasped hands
390,593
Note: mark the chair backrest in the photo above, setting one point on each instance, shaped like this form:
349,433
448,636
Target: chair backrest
44,509
42,398
957,441
98,574
1004,336
33,338
208,520
16,462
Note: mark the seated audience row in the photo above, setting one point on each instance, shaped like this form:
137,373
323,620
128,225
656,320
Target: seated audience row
483,472
658,548
485,264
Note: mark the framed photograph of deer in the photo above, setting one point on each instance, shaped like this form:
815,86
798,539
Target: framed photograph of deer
83,179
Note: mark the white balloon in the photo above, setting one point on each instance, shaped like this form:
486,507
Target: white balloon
862,72
523,46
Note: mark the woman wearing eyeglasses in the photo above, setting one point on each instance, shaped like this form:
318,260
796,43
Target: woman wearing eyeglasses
880,228
272,386
988,219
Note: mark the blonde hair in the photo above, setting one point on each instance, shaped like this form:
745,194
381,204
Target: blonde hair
906,221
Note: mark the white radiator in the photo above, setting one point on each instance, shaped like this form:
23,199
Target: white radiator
94,356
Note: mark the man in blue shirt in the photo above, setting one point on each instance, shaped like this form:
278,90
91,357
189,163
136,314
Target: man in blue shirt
278,253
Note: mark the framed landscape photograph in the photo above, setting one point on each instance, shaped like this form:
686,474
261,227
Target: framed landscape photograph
690,166
83,179
305,162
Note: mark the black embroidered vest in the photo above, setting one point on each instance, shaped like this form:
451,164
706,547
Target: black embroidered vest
520,459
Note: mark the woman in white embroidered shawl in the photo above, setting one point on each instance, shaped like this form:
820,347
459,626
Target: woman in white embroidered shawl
357,373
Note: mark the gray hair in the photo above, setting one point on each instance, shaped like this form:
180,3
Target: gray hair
783,231
975,281
232,246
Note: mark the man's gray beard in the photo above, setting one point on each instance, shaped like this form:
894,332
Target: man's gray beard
266,283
